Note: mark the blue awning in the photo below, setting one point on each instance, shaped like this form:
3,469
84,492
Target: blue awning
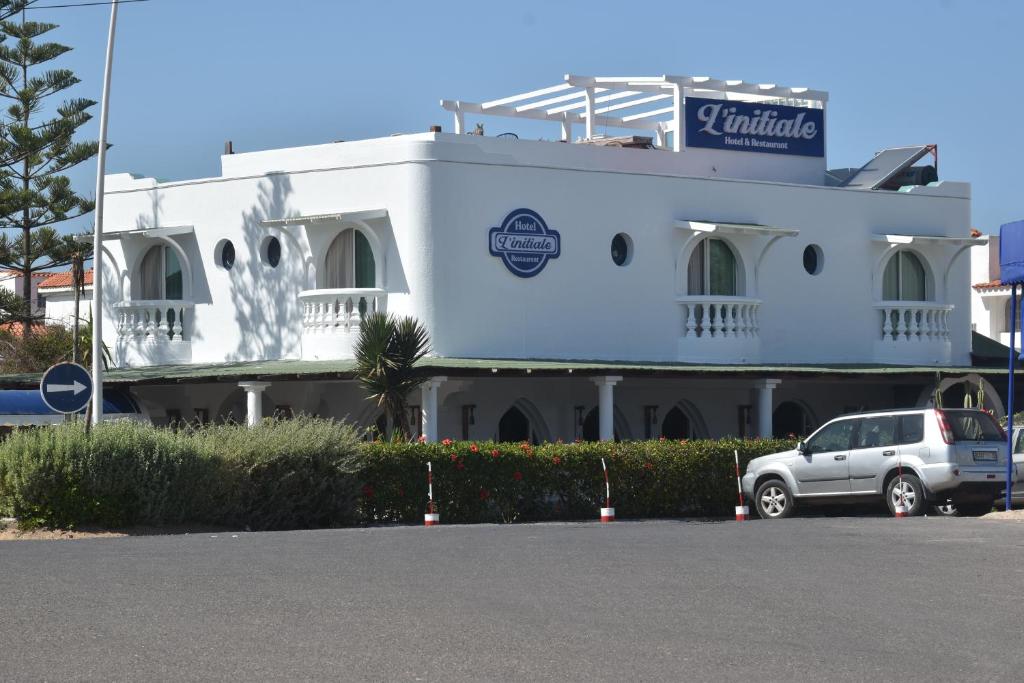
30,402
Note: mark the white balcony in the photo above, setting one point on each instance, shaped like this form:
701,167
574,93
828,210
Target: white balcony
912,332
153,332
331,319
719,329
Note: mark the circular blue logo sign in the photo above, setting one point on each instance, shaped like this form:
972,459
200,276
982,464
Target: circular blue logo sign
524,243
66,387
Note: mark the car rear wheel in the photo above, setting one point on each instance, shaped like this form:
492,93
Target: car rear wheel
773,500
947,509
908,490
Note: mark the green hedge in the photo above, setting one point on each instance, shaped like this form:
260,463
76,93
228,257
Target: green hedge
298,473
309,472
491,482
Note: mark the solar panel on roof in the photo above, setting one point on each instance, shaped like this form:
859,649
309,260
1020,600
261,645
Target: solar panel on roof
886,165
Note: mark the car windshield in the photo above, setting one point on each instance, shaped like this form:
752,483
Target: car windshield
973,425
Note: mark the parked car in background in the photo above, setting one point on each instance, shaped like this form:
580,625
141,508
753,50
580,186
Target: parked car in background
920,457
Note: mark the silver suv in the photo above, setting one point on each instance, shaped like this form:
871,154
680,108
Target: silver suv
921,457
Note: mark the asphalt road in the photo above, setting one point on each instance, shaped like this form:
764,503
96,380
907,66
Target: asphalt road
804,599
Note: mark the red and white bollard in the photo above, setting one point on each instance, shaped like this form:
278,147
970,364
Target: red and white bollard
607,512
431,518
742,511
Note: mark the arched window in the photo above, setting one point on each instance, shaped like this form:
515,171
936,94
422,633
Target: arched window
791,419
514,426
161,275
904,278
676,425
350,262
712,269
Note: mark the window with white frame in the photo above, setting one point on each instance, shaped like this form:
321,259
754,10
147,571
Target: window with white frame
350,263
712,269
161,275
905,278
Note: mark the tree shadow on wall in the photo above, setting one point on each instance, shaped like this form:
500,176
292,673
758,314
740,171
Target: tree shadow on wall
266,297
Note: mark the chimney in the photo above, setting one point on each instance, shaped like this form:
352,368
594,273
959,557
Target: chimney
229,148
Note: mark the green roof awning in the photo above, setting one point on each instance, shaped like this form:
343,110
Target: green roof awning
325,370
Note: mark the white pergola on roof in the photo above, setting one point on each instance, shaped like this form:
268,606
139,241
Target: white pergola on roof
633,102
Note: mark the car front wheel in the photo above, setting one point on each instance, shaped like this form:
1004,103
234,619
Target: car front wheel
773,500
908,490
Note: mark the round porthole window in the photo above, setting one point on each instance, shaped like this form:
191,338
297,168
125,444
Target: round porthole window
813,259
225,254
271,251
622,249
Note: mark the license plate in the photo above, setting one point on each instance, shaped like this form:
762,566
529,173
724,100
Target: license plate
984,456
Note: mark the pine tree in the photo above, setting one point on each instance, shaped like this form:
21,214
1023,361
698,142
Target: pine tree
36,147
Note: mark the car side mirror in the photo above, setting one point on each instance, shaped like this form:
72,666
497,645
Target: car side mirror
802,448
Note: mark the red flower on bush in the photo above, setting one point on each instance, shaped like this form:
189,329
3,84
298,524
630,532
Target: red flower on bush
661,438
473,448
367,491
454,457
648,466
556,460
495,453
446,442
423,438
484,493
517,475
791,435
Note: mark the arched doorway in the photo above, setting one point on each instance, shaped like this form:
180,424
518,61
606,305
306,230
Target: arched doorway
676,425
791,419
514,426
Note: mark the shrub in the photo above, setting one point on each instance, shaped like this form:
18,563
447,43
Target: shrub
289,474
484,481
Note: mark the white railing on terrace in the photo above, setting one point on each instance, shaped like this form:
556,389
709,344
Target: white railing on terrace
914,321
160,320
719,317
339,310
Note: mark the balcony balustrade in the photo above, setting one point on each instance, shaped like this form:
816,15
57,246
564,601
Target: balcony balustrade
913,332
331,319
720,329
154,332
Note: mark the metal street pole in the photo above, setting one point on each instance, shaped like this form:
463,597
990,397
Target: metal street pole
97,263
1009,395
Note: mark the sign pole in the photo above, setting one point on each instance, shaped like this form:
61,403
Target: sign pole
97,254
1009,395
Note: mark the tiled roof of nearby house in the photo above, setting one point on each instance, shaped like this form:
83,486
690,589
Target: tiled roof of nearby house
63,279
5,273
981,286
15,327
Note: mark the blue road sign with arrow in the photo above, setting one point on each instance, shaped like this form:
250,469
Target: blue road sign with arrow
66,387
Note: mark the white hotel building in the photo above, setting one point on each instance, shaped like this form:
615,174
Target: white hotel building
710,279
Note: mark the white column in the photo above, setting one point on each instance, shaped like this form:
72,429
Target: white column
253,401
678,123
428,407
589,112
606,406
764,406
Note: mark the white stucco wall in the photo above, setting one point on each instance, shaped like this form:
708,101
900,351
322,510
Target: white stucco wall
444,192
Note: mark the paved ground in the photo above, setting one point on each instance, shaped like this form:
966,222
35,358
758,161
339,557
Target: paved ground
804,599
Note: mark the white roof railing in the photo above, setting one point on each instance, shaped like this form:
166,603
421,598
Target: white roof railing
593,101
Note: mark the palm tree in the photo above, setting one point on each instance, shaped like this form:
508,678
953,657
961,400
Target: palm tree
386,352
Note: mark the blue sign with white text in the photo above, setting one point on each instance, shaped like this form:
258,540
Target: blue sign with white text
755,127
66,387
524,243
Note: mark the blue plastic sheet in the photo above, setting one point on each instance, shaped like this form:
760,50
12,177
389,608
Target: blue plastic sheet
1011,253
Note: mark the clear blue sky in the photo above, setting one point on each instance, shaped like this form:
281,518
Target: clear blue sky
190,74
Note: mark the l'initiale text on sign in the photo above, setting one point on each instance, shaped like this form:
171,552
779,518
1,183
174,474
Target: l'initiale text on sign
719,119
755,127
